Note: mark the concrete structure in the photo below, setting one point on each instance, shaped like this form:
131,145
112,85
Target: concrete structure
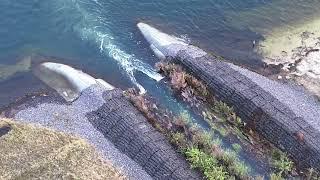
67,81
103,116
284,114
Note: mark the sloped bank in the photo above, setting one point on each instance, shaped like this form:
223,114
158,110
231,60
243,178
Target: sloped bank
120,122
101,114
285,116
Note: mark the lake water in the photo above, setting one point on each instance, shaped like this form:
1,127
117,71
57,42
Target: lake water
101,38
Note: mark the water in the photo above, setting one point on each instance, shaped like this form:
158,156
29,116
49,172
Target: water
101,37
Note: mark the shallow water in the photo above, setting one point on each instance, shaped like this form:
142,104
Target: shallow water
101,37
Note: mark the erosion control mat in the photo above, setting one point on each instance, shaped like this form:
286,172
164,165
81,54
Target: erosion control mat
28,152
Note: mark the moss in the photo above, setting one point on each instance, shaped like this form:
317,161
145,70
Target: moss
29,152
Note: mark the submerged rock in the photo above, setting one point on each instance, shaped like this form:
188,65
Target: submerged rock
6,71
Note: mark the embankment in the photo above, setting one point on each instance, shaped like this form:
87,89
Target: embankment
285,116
114,126
131,133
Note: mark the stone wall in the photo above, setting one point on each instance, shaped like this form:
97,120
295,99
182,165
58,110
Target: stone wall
120,122
257,107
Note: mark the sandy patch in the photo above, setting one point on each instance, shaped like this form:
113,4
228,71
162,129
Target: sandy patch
291,30
297,48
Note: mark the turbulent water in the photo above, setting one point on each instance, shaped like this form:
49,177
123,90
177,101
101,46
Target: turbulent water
100,36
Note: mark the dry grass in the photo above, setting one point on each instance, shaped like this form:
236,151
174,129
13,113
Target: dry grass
28,152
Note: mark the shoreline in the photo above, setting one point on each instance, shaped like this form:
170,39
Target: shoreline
296,49
282,115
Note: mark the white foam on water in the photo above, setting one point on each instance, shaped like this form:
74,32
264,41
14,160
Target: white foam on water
106,45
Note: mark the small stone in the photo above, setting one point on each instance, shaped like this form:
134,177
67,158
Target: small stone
279,77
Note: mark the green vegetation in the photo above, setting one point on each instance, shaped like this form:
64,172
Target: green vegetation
206,163
205,153
220,116
179,140
282,164
28,152
276,176
223,109
202,149
236,147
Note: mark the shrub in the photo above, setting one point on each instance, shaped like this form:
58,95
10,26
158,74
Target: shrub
206,163
239,169
216,174
179,140
229,157
202,140
223,109
280,161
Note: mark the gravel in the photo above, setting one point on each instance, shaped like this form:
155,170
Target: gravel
302,103
54,113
